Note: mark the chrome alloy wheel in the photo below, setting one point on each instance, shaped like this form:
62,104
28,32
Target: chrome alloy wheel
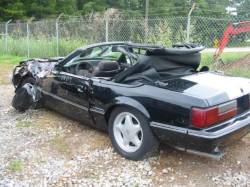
127,132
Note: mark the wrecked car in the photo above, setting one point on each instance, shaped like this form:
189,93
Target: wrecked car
141,95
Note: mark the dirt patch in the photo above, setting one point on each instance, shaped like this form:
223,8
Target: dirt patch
5,73
42,147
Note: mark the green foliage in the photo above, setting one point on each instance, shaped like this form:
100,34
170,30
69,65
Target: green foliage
22,9
10,9
161,33
94,6
243,7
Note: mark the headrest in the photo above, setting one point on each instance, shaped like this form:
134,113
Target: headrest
108,66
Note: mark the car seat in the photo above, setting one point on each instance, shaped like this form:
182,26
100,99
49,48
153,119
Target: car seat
106,69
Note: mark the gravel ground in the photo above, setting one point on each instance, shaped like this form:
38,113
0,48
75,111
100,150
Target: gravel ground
40,147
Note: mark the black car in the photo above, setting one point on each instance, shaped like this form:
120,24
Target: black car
140,94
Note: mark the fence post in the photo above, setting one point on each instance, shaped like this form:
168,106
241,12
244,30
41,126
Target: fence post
146,21
106,28
189,23
28,36
6,35
57,33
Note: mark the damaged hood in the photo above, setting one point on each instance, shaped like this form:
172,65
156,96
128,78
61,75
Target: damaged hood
36,66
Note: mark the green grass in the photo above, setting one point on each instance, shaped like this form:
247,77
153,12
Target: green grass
7,63
15,165
207,58
10,59
40,47
239,71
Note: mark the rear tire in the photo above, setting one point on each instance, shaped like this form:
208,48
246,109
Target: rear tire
130,134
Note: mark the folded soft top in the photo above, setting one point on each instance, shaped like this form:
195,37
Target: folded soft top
165,61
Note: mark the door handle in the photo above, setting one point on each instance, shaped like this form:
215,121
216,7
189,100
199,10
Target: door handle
80,89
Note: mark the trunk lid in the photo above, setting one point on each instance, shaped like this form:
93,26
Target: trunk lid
213,87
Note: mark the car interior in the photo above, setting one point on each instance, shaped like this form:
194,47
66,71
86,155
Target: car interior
101,62
130,65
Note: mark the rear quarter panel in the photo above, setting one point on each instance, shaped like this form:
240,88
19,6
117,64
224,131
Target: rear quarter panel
157,104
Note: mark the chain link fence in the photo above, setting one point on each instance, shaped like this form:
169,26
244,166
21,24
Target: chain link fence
58,37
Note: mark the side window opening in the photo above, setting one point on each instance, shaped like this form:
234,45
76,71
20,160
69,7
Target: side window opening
101,61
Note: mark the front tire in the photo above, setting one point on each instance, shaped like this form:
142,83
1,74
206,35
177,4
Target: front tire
130,134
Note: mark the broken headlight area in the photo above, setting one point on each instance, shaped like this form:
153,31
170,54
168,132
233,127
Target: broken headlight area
26,97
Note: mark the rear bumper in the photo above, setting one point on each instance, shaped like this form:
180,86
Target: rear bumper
205,140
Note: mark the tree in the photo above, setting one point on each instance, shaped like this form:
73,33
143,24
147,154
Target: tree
21,9
11,9
66,6
242,9
94,6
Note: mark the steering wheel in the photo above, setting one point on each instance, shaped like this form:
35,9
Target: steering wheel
84,69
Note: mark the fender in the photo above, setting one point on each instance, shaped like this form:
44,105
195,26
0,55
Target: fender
121,100
18,74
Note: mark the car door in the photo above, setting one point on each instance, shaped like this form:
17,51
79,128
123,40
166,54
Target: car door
78,96
80,90
76,90
71,93
65,94
54,90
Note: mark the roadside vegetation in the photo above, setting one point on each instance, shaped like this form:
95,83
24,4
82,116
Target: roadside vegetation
7,62
207,58
236,64
42,47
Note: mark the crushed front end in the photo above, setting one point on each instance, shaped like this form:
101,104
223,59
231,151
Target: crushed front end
32,69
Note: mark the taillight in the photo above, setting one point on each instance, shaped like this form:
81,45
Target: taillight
204,117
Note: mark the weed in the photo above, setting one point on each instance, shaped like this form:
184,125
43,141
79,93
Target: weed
15,165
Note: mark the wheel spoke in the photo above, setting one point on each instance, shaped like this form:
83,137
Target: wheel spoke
128,121
120,127
125,140
136,128
136,141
